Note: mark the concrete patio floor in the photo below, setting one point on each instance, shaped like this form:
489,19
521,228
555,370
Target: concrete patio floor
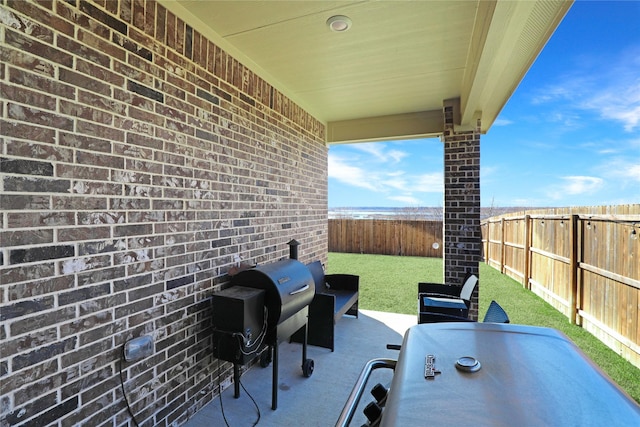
317,400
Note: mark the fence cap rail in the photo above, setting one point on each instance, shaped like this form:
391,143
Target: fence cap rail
631,219
611,218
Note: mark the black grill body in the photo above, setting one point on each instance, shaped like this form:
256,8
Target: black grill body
288,290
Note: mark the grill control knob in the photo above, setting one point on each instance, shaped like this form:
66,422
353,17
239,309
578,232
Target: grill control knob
372,411
379,392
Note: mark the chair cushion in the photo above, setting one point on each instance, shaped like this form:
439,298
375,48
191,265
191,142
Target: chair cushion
468,287
444,303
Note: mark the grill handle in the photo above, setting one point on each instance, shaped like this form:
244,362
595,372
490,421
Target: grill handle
352,402
302,289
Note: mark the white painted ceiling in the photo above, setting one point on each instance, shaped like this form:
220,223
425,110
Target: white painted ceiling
389,74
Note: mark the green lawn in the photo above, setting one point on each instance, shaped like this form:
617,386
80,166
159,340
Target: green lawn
390,283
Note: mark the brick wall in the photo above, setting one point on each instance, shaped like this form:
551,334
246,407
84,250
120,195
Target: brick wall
462,234
138,161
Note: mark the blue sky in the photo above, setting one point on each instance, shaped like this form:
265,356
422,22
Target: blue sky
569,136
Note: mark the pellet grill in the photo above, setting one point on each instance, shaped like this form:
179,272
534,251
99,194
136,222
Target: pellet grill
286,288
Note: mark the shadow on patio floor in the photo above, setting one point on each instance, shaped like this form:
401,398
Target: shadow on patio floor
318,400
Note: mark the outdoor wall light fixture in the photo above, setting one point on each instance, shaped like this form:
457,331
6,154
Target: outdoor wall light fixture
339,23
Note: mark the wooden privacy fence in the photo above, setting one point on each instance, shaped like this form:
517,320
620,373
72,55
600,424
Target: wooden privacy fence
386,237
585,262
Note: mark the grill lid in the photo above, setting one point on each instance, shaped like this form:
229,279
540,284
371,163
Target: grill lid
288,284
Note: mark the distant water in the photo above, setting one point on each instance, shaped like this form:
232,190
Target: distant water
386,213
425,213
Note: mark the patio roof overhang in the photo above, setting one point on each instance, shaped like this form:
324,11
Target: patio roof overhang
389,75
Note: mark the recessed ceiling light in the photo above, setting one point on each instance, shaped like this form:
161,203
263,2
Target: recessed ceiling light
339,23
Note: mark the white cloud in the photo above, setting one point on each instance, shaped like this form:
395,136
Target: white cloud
575,186
609,146
397,155
581,184
624,171
502,122
381,152
617,161
382,172
609,87
407,200
522,201
341,170
422,183
371,148
397,183
429,183
619,103
567,119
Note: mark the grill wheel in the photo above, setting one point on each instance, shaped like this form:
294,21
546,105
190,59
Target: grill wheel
307,368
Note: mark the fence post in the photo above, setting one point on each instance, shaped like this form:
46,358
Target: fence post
502,246
487,254
573,267
527,252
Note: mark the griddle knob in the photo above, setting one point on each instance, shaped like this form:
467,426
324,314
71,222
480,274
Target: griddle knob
372,411
379,392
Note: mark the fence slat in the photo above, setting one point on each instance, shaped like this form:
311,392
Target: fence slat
386,237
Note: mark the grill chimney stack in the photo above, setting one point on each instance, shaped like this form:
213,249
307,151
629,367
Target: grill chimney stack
293,248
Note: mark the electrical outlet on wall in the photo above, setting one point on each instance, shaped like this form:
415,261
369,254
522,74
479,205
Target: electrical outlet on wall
138,348
225,384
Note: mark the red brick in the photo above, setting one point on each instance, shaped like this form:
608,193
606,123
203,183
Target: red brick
26,96
84,82
93,129
37,48
102,74
35,81
86,112
85,143
26,61
83,233
125,10
39,27
83,51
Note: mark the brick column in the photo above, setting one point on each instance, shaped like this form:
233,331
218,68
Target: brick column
462,236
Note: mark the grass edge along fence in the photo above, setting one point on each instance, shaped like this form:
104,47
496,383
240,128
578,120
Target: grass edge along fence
584,261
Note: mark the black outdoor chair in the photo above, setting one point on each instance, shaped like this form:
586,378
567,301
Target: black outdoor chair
436,298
